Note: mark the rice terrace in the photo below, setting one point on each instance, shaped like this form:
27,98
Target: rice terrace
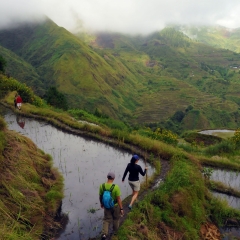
92,100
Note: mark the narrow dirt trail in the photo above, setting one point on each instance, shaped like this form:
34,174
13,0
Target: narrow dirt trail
165,166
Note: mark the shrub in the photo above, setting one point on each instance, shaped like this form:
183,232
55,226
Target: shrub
2,123
98,119
3,64
10,84
56,98
236,138
221,148
201,139
160,134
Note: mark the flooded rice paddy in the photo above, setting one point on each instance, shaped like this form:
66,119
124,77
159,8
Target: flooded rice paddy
231,179
223,133
84,164
229,233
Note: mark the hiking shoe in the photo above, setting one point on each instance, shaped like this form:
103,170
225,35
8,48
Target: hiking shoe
129,207
104,237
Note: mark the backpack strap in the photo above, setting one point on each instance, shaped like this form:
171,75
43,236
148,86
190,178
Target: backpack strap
103,187
112,187
110,190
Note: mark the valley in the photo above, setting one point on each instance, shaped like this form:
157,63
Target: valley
149,95
142,80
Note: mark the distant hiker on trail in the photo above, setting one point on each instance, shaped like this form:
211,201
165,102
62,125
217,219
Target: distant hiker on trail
133,179
109,196
19,102
15,100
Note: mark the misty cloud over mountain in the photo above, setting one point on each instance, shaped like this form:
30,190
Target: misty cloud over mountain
128,16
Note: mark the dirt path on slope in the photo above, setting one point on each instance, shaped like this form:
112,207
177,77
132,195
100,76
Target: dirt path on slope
165,166
130,148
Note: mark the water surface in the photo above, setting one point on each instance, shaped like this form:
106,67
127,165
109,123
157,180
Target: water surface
84,164
229,178
223,133
229,233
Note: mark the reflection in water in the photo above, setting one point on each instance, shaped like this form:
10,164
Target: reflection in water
232,201
231,179
84,164
229,232
20,120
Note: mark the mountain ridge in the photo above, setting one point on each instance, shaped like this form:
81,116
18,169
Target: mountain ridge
137,79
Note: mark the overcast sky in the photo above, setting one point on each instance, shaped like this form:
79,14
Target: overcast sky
127,16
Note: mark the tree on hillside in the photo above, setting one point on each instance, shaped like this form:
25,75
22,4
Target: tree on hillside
56,98
178,116
3,64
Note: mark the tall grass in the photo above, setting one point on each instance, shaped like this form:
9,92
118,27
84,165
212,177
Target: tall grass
27,181
182,202
179,202
223,148
178,208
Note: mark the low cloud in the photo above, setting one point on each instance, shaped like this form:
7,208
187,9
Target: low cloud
127,16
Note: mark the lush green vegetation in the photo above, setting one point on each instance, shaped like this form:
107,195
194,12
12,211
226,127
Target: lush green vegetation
151,86
2,64
217,36
18,68
182,205
184,196
179,207
165,79
11,84
160,134
98,118
27,207
56,98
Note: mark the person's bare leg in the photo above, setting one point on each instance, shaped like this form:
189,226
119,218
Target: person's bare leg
134,197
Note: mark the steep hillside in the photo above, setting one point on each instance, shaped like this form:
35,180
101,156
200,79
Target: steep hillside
64,61
216,36
138,79
23,71
177,73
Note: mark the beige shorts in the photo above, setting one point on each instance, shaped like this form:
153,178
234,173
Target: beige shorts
134,185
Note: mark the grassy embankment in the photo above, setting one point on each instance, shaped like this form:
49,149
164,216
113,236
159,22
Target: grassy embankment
183,204
30,189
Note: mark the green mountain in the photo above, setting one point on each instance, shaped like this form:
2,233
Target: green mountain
216,36
25,72
163,79
178,73
64,61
